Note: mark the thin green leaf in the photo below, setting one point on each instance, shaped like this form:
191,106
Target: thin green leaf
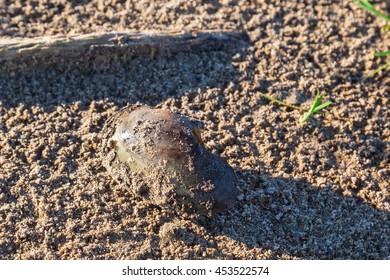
270,98
386,28
306,116
369,7
316,106
382,53
322,106
313,106
384,66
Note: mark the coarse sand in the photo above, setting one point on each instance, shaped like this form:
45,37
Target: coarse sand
318,190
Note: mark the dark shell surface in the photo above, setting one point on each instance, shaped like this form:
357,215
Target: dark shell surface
159,155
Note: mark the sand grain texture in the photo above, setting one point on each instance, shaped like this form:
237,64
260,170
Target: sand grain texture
318,190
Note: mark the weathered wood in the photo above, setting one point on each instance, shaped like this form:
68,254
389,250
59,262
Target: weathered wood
172,41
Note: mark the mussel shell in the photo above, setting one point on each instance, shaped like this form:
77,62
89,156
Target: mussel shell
160,156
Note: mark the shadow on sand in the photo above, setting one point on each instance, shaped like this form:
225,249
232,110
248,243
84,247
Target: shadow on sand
293,217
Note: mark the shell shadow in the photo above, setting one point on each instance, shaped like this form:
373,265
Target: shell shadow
294,217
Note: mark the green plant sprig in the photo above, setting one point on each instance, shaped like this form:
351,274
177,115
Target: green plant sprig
369,7
382,67
365,4
314,108
273,99
382,53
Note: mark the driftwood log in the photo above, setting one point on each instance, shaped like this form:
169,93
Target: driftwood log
99,50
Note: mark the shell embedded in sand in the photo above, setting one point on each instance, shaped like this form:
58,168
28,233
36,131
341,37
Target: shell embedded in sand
160,156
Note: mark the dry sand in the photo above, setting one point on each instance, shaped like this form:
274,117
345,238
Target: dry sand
318,190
